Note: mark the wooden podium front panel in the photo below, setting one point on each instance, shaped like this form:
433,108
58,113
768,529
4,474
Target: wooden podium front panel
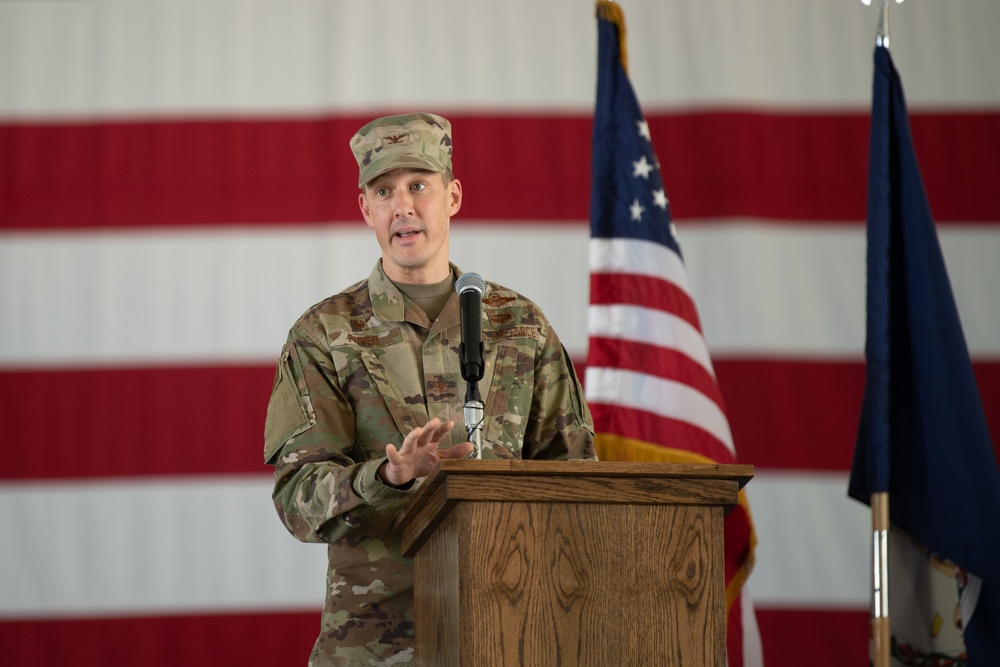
437,613
579,584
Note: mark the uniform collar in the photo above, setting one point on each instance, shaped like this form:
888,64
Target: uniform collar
390,305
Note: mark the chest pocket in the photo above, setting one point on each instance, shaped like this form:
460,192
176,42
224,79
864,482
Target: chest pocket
400,395
508,404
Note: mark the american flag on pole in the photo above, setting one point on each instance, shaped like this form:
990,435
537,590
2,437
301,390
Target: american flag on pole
650,383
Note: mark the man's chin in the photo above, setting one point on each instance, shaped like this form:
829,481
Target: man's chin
409,261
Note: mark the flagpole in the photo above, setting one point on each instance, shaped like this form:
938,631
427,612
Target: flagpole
881,628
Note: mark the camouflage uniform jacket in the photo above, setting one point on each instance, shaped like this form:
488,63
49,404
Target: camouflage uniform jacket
360,370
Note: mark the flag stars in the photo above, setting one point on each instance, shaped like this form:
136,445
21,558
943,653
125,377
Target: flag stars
636,210
643,130
642,168
660,199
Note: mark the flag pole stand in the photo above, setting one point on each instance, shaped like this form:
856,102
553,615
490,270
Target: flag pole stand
881,629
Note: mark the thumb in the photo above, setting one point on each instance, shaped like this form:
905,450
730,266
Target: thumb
459,451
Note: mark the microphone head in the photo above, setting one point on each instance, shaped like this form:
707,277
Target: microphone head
470,281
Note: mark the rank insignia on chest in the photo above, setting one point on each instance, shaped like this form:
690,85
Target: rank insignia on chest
441,384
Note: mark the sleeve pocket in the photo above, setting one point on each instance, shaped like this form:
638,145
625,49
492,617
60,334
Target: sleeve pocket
286,414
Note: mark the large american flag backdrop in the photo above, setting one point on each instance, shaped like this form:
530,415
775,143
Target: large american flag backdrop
176,188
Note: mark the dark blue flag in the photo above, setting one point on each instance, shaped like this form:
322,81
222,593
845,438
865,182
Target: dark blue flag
923,436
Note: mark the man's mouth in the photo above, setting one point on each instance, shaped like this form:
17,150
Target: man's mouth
406,233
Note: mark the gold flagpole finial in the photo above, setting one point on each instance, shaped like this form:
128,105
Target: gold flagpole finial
612,13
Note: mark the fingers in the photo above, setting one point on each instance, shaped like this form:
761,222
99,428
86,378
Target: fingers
428,436
438,430
459,451
419,453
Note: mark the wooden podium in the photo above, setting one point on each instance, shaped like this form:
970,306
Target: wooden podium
577,563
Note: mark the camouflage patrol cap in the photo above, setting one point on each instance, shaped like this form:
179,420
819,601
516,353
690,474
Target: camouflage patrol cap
417,140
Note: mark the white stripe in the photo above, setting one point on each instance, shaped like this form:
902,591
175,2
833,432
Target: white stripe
666,398
797,291
260,57
753,650
167,545
230,295
639,257
154,546
106,298
813,547
178,296
638,324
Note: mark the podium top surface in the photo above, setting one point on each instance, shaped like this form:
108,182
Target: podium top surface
740,472
590,481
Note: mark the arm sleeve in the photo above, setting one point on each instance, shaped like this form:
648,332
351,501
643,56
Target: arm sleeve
559,425
321,493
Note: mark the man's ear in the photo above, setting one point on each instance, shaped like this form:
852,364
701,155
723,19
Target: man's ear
455,191
365,212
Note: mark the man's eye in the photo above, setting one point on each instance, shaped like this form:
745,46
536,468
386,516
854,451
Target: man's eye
381,192
418,186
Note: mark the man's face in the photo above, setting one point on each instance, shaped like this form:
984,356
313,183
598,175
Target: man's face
409,210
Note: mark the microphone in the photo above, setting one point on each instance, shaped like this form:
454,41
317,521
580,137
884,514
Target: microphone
470,288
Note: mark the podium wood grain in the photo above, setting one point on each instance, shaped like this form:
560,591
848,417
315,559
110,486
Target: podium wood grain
570,563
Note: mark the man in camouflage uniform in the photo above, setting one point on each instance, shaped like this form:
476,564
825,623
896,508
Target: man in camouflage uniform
368,389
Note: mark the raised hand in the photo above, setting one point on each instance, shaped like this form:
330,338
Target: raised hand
419,453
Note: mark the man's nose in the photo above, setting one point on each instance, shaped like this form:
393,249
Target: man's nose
403,204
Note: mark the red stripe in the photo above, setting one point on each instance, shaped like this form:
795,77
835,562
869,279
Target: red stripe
272,638
790,638
803,415
653,360
647,427
210,420
793,414
226,171
734,635
813,637
143,421
646,291
737,542
814,167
